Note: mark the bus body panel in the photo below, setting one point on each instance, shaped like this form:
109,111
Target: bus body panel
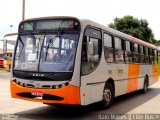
127,77
92,87
67,95
76,74
155,73
159,63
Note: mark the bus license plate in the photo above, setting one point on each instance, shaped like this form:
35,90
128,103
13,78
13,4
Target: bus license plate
37,93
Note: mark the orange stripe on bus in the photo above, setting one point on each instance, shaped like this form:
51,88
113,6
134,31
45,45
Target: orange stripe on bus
155,73
70,93
133,73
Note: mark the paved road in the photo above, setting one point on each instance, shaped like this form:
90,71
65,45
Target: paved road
135,103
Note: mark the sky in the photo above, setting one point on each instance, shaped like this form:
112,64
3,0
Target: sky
100,11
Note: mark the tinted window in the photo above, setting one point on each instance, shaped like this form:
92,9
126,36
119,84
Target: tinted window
146,50
108,49
151,52
93,32
128,47
119,53
151,55
141,49
136,56
146,55
141,54
128,57
128,53
135,47
91,51
118,43
155,53
107,40
155,57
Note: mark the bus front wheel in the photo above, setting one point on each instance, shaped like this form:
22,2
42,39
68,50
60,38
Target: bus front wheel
108,96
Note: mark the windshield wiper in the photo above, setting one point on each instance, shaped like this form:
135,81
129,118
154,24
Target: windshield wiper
59,34
34,42
22,47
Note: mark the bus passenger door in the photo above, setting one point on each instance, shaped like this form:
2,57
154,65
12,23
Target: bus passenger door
91,76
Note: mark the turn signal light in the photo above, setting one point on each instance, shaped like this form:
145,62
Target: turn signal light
13,78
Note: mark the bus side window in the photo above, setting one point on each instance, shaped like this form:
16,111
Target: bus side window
141,54
155,57
146,55
150,51
108,48
128,53
136,56
152,56
91,51
119,52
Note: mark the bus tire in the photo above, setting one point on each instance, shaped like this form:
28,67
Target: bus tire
108,96
145,85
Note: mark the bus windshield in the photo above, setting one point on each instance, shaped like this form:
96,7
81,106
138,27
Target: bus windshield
46,52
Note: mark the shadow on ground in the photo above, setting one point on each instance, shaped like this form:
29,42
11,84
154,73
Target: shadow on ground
122,105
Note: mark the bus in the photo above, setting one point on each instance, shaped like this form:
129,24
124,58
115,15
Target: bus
66,60
158,62
1,54
9,41
1,60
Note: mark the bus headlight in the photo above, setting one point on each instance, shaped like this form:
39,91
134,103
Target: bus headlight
60,86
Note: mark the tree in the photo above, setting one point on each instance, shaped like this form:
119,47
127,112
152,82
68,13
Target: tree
134,27
157,43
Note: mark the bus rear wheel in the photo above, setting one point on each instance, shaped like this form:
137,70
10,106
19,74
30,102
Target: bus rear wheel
107,96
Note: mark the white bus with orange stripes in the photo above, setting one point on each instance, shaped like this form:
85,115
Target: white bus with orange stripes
65,60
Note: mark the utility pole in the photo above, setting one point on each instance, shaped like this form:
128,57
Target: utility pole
23,10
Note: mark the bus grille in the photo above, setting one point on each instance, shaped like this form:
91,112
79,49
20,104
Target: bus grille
43,86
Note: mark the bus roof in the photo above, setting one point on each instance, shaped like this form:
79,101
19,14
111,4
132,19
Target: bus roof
85,22
50,17
118,33
11,38
10,34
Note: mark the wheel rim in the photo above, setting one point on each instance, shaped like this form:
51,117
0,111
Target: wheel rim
107,96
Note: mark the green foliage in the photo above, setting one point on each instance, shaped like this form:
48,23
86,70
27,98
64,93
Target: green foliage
134,27
157,43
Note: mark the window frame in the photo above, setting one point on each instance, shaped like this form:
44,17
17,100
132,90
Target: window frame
141,52
155,56
122,49
111,48
146,55
100,48
136,53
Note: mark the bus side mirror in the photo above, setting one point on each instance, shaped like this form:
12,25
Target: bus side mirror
90,48
5,57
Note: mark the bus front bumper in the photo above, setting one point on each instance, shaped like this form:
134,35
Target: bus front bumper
67,95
